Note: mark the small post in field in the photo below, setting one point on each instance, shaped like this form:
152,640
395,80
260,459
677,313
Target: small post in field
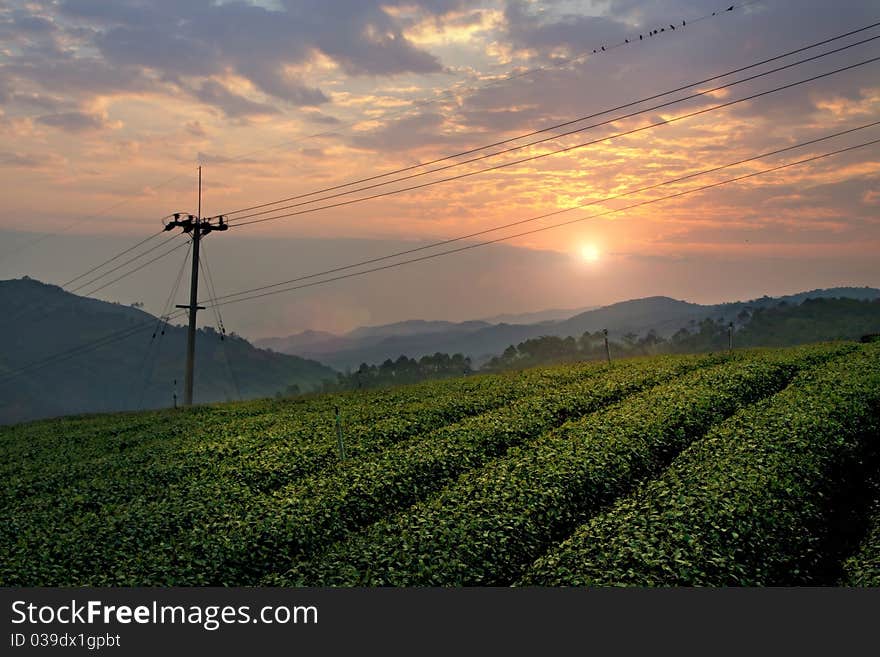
339,434
607,348
730,336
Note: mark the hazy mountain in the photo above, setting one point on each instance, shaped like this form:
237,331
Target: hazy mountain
307,341
551,315
413,327
660,314
320,343
47,367
480,340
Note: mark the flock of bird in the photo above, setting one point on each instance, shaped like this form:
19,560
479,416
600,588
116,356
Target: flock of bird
653,32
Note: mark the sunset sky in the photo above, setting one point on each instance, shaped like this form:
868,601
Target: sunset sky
107,108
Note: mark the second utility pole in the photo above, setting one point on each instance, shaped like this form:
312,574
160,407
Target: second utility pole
199,229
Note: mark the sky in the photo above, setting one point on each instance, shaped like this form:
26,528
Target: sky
107,109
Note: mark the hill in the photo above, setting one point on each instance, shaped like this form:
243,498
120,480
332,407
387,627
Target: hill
133,372
662,316
761,325
368,342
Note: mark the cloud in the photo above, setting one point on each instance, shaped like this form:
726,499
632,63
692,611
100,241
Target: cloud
233,105
578,33
403,134
323,119
28,160
202,38
196,129
74,121
216,159
80,77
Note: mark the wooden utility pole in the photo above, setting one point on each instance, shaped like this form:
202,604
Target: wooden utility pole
197,228
607,348
730,336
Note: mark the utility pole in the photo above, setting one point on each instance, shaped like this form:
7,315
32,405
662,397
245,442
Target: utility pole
197,228
730,336
607,348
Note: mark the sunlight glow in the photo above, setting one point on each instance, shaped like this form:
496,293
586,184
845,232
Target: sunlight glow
590,253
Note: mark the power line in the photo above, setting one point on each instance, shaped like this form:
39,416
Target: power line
553,213
72,352
123,264
77,222
212,290
570,122
139,267
32,307
567,223
114,258
160,331
508,150
567,149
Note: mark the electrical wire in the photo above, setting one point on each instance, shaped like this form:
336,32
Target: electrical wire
160,331
113,259
212,290
570,122
544,228
77,222
124,264
567,149
553,213
138,268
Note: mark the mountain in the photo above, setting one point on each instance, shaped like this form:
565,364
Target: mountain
413,327
815,319
305,341
660,314
320,344
551,315
481,340
48,368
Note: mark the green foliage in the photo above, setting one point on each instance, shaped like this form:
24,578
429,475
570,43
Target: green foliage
590,346
401,371
487,527
99,499
749,505
780,325
465,480
863,567
312,513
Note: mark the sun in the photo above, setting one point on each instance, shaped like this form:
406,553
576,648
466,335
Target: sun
590,253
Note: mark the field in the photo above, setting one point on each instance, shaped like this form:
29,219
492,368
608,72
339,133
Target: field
756,467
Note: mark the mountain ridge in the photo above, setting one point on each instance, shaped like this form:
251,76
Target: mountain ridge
131,369
664,315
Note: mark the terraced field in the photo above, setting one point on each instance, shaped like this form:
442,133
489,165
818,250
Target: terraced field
753,467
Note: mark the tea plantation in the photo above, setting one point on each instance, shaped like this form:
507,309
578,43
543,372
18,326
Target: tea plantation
758,467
